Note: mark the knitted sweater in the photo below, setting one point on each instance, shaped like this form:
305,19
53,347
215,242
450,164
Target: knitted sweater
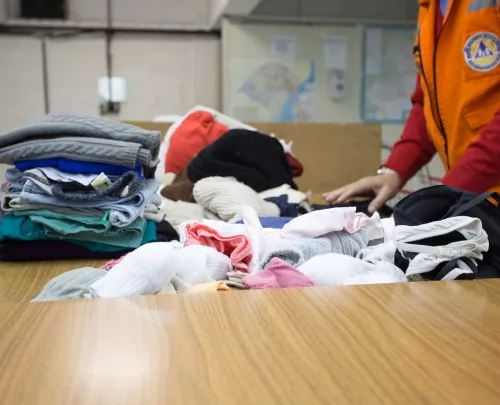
81,149
254,159
83,126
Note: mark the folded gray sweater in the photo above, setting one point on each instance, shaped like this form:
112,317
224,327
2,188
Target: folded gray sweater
84,149
83,126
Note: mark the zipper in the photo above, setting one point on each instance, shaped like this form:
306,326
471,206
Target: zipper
439,120
443,131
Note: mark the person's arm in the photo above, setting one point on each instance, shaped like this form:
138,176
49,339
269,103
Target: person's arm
478,169
409,155
414,149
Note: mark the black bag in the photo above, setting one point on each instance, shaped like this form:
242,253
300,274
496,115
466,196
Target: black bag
440,202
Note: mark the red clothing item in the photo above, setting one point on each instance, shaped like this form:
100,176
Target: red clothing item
237,247
198,130
477,170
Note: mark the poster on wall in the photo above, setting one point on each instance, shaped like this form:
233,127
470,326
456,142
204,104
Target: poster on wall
335,50
389,74
268,90
283,48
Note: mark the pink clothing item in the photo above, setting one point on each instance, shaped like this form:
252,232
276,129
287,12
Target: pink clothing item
278,274
236,247
112,263
319,223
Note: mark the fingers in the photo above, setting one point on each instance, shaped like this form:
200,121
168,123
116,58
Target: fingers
348,193
384,195
341,195
332,196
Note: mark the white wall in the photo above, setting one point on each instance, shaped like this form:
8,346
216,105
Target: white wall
397,10
21,95
165,74
3,10
144,12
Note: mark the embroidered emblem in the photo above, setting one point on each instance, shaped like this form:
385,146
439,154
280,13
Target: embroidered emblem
482,51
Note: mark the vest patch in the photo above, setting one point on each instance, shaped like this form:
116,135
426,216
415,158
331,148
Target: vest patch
482,51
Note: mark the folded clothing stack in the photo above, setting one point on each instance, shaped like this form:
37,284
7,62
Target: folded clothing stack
80,183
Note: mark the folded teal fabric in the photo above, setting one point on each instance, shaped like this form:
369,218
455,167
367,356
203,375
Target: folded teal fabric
68,223
25,228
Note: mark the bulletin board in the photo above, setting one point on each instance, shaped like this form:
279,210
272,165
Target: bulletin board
291,73
388,74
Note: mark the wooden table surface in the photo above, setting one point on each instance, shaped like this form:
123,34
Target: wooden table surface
23,281
415,343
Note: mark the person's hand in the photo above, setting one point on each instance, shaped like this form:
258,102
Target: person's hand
384,186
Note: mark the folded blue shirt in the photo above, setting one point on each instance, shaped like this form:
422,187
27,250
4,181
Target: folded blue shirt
74,166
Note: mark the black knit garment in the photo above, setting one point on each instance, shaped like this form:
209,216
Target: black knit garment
254,159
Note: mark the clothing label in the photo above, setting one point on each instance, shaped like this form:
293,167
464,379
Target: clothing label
482,51
101,182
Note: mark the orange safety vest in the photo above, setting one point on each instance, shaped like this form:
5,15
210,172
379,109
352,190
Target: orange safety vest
460,72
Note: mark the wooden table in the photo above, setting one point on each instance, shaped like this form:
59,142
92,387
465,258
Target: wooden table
416,343
23,281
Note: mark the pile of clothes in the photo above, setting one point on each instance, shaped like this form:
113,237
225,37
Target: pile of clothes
330,247
217,164
235,217
81,187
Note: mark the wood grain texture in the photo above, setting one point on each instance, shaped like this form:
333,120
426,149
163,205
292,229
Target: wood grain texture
417,343
23,281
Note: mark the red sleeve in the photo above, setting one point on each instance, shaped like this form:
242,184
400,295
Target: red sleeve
478,169
414,149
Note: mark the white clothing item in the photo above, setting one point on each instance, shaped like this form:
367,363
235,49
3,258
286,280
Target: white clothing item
383,273
429,257
294,196
225,197
153,213
144,271
269,243
65,177
337,269
167,118
255,234
319,223
389,226
166,180
177,212
383,252
251,228
196,264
